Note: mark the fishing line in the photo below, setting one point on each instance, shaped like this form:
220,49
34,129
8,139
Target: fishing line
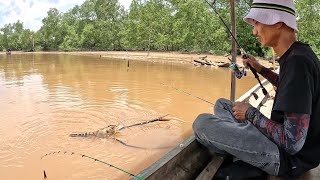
188,94
92,158
139,147
245,55
161,118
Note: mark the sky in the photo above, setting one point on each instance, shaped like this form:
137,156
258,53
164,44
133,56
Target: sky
31,12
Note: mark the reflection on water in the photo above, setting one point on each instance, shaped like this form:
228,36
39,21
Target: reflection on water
44,97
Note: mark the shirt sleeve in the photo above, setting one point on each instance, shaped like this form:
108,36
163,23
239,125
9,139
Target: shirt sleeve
271,76
290,135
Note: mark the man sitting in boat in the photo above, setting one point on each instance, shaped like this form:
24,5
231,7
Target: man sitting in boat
288,143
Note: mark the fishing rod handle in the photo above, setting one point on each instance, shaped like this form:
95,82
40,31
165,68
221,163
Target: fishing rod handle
254,71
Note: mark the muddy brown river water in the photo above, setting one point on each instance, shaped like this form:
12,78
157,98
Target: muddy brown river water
45,97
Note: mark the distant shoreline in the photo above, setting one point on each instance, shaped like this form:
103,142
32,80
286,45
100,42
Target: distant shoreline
164,57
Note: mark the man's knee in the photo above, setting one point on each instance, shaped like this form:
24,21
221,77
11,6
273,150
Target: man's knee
220,104
200,121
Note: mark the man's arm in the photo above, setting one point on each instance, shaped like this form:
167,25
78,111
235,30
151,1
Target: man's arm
290,135
270,76
267,73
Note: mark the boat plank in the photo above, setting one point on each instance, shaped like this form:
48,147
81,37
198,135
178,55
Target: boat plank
211,168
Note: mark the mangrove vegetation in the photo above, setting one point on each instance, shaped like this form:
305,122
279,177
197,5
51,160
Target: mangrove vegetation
155,25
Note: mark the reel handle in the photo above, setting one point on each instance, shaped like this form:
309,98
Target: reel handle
254,71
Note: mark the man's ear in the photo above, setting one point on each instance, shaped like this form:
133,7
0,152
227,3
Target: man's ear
279,25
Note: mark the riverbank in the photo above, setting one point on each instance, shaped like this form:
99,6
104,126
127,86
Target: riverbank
164,57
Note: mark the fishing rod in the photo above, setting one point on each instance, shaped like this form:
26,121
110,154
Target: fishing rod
243,52
95,159
189,94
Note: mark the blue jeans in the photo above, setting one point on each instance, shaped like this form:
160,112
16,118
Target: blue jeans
223,134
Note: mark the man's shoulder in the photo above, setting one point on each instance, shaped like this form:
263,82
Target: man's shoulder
298,49
303,50
302,55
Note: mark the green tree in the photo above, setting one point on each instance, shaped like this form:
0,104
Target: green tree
108,23
51,30
26,39
71,28
308,22
188,25
6,32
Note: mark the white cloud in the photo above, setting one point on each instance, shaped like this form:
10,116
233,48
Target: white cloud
31,12
125,3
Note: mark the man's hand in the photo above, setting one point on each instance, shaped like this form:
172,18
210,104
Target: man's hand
240,109
253,62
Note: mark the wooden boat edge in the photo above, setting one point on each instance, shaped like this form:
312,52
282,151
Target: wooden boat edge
170,161
179,160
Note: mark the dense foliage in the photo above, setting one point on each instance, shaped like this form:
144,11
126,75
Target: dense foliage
157,25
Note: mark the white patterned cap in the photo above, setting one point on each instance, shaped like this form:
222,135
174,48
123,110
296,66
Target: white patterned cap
273,11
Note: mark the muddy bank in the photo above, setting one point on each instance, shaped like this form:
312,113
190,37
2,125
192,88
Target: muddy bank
164,57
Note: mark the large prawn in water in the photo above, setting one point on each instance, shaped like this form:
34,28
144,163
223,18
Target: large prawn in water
113,129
